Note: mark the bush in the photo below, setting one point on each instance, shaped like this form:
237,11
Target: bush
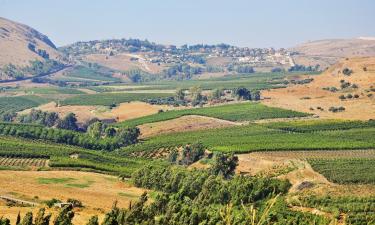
347,71
52,202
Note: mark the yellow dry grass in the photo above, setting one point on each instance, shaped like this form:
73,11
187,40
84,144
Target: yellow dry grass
131,110
83,113
184,123
122,62
304,97
96,191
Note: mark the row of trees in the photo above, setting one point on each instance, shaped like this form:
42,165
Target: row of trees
119,137
243,93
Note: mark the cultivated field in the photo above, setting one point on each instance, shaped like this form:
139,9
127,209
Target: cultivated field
184,123
233,112
23,162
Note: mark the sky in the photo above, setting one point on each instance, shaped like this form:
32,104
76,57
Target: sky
250,23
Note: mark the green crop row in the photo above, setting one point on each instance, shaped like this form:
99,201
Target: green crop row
108,99
345,171
19,103
60,156
357,210
320,125
252,137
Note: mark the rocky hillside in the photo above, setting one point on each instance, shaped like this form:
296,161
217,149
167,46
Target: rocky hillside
329,51
345,91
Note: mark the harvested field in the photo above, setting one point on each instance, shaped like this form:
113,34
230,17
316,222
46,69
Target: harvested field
83,113
184,123
132,110
96,191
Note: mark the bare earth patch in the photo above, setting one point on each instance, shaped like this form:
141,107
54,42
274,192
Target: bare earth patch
311,96
184,123
132,110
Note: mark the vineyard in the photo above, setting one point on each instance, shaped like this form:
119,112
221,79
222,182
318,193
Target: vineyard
357,210
233,112
108,99
252,137
51,90
344,171
320,125
23,162
9,105
60,156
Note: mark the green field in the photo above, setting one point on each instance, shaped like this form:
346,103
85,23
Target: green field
345,171
358,210
233,112
19,103
60,156
83,72
107,99
47,90
254,137
254,81
320,125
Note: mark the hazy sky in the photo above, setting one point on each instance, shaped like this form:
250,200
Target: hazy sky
262,23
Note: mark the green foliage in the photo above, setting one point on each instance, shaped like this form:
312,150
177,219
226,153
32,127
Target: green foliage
41,218
343,171
108,99
233,112
48,119
11,105
64,217
69,122
224,165
124,136
358,210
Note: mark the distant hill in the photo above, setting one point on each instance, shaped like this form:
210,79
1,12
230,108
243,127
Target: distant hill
329,51
15,39
358,47
20,45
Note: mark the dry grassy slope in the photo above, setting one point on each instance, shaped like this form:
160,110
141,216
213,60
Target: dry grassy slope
329,51
123,62
14,40
338,47
363,108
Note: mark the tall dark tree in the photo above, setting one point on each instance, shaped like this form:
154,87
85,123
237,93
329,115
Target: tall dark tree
69,122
